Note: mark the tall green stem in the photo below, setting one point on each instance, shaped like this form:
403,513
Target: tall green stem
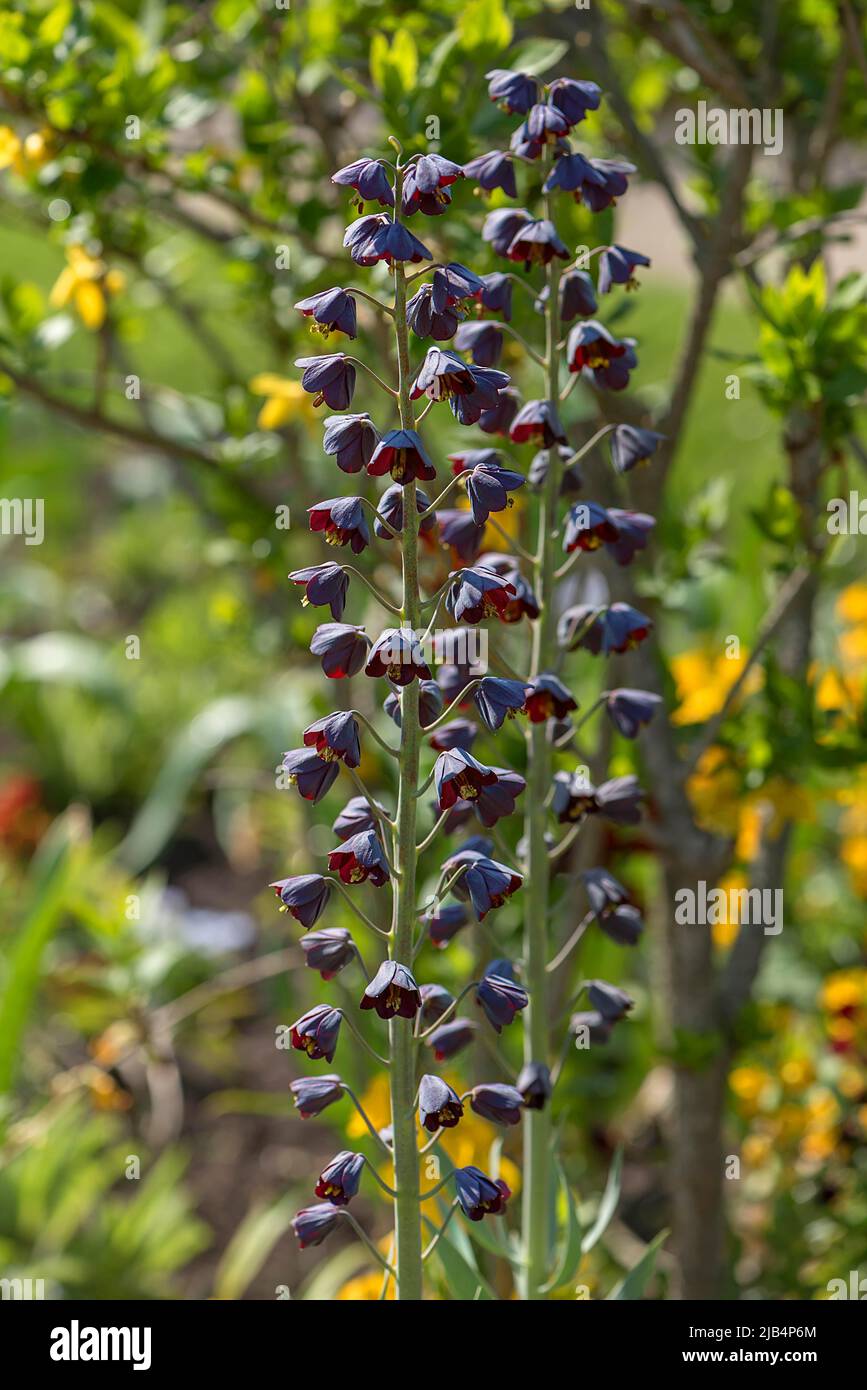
407,1214
537,1123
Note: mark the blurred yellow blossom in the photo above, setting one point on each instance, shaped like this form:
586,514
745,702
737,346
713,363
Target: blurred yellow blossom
10,147
86,282
724,932
703,681
285,400
851,603
365,1288
845,989
22,155
749,1085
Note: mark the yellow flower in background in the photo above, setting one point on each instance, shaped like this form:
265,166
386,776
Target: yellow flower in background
10,147
365,1288
86,283
851,605
846,989
285,401
852,1083
715,791
22,155
797,1073
703,681
725,932
376,1104
750,1085
757,1149
853,852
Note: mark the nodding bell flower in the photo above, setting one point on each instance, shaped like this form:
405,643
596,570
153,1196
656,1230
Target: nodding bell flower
483,341
515,92
465,460
614,375
316,1032
612,1003
538,421
342,521
631,446
426,321
426,184
588,526
439,1106
591,345
308,772
623,924
546,697
478,593
574,98
458,733
501,1104
576,297
402,454
360,859
459,530
350,440
330,379
545,125
486,883
629,709
598,1029
498,800
633,533
500,999
498,419
343,648
451,1038
488,487
329,951
335,738
536,243
619,800
430,703
304,897
497,699
453,282
603,890
493,170
390,507
444,375
397,654
356,816
502,226
572,480
332,311
392,992
378,238
323,584
617,266
313,1094
597,183
339,1179
435,1001
616,628
369,178
535,1085
443,923
573,797
495,295
312,1224
480,1195
457,776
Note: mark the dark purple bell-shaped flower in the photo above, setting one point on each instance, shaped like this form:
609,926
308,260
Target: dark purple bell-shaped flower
333,311
452,283
435,1002
500,999
459,530
539,421
444,922
313,1094
603,890
428,322
402,454
486,883
612,1003
329,951
617,266
335,738
498,419
577,297
330,379
545,125
309,773
355,817
493,170
498,800
488,487
342,521
451,1038
495,294
573,797
502,226
378,238
616,628
458,733
392,992
574,98
478,593
304,897
430,703
615,182
458,776
426,183
598,1029
339,1180
546,697
439,1107
591,345
316,1032
537,243
633,533
312,1224
479,1195
445,376
343,648
588,526
619,800
397,654
631,446
498,699
323,584
390,507
573,173
572,480
629,709
515,92
535,1085
623,924
496,1102
360,859
350,440
614,375
483,341
370,180
465,460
